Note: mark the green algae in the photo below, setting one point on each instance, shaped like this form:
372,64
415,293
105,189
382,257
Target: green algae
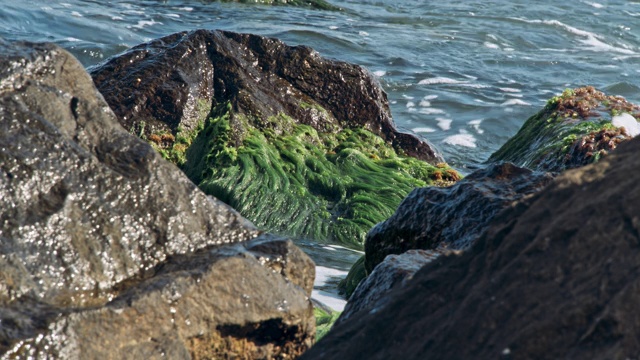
356,274
324,321
290,179
547,140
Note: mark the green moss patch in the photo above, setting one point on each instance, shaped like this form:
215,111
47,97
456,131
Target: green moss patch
562,135
324,321
287,178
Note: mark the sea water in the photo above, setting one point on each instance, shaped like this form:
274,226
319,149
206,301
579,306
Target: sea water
463,74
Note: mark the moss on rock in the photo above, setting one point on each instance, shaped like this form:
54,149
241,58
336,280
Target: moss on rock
574,129
289,178
357,272
324,321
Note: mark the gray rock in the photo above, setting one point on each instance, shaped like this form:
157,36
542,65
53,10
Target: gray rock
392,273
107,250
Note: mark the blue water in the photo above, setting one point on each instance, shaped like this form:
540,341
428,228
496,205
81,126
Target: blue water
463,74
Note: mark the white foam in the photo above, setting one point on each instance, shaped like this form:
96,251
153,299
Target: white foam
117,18
186,8
431,111
627,121
323,274
363,33
411,104
328,299
509,90
76,14
439,80
72,39
444,124
592,40
425,103
475,124
173,16
595,5
423,130
512,102
491,45
407,97
430,97
462,139
333,27
142,23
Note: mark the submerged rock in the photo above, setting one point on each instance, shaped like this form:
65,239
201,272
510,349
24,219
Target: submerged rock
453,217
109,251
574,129
316,4
554,277
299,144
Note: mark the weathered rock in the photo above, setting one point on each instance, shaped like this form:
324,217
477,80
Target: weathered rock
316,4
452,217
394,272
109,251
555,277
297,143
574,129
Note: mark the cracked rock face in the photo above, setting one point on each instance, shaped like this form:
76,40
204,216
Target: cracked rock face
109,251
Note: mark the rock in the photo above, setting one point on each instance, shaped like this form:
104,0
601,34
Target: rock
554,277
452,217
109,251
574,129
394,272
299,144
316,4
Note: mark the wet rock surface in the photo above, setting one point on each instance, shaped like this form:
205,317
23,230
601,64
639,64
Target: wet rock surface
553,277
161,81
574,129
299,144
109,251
390,275
452,217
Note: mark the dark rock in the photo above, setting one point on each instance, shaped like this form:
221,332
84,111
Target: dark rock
392,273
555,277
574,129
109,251
316,4
161,82
452,217
299,144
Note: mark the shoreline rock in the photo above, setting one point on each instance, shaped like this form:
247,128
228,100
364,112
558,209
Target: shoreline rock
553,277
107,250
301,145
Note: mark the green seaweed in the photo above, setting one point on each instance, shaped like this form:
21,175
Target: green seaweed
546,139
324,321
290,179
356,274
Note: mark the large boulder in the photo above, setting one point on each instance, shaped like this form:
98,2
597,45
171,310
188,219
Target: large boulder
109,251
451,217
554,277
298,144
574,129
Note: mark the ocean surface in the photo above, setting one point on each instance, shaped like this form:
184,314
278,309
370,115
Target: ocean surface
463,74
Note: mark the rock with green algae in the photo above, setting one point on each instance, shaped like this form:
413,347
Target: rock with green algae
299,144
292,179
574,129
325,318
316,4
